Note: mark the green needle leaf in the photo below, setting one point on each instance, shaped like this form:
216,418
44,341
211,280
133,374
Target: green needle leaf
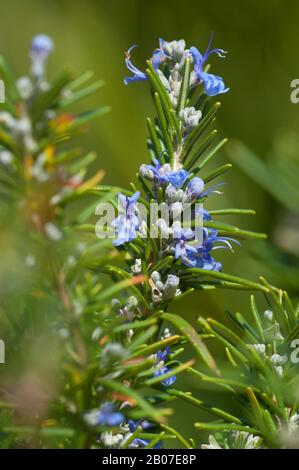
192,336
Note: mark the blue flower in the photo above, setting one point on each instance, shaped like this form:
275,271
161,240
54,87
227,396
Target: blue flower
127,223
157,58
163,355
133,425
197,254
194,189
178,178
161,372
213,84
105,416
137,442
204,260
203,213
138,75
182,249
41,45
109,417
164,174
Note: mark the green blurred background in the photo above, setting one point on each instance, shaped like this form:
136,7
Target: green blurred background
262,41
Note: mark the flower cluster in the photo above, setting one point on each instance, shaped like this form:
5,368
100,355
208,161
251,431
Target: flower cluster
273,339
181,194
171,56
234,440
121,431
172,183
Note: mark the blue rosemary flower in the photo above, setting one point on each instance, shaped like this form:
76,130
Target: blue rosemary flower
198,254
163,371
164,174
127,223
182,248
163,355
174,52
160,359
203,213
204,260
213,84
138,75
177,178
138,442
157,58
106,416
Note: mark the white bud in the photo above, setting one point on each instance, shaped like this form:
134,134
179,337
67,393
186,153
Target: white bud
111,441
6,157
260,348
115,304
190,117
170,286
136,269
30,261
96,334
163,227
132,302
25,87
278,360
173,195
52,231
176,209
279,371
146,172
268,315
155,276
166,333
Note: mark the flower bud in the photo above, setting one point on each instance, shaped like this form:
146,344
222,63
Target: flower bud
260,348
190,118
173,195
146,172
171,286
41,45
278,360
268,314
194,189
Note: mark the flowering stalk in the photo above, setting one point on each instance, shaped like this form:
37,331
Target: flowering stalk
178,259
181,144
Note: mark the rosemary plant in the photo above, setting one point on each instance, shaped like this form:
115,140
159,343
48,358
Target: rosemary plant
107,354
164,258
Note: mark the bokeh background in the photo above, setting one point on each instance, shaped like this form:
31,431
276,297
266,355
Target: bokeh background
263,59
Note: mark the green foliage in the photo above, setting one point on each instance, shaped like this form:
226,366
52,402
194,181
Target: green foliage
260,375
